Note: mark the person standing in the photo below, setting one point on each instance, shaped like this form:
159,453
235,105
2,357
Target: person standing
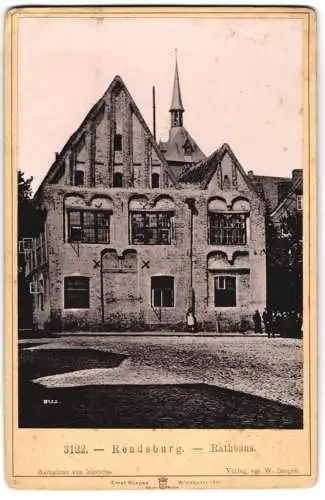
190,321
257,322
267,322
299,325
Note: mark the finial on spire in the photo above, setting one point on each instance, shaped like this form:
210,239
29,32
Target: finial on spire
176,60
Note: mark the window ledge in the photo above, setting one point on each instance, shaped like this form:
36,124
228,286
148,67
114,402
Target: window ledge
240,245
152,244
223,308
86,243
167,308
120,271
77,309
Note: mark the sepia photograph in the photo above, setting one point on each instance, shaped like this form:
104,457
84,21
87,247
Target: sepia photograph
161,192
160,202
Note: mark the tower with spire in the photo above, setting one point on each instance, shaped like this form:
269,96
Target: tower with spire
176,107
180,151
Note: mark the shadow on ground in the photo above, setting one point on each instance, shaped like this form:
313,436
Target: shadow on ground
153,406
43,362
135,406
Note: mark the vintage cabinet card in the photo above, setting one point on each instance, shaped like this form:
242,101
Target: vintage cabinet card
160,247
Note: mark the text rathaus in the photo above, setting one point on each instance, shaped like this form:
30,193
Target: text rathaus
139,233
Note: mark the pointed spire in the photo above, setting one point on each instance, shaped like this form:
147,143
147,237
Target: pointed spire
176,104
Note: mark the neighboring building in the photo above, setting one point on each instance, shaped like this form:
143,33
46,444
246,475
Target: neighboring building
130,242
272,189
26,234
284,245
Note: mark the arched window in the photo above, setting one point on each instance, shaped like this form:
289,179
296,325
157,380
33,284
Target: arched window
155,181
118,180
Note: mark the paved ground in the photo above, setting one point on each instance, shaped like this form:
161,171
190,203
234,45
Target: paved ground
234,382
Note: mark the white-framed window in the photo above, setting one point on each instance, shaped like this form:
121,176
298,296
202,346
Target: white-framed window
299,202
225,291
25,245
36,255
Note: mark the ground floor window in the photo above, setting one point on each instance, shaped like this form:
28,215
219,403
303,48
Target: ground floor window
76,292
162,291
225,291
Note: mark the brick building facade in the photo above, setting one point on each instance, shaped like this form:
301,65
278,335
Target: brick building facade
131,243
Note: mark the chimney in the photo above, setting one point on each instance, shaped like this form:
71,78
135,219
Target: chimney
250,174
56,155
296,175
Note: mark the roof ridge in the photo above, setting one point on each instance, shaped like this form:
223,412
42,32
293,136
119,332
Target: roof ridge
75,136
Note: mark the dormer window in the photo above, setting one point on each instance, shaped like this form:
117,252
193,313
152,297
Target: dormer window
118,142
188,149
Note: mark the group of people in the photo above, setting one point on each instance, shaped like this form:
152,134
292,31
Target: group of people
283,323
